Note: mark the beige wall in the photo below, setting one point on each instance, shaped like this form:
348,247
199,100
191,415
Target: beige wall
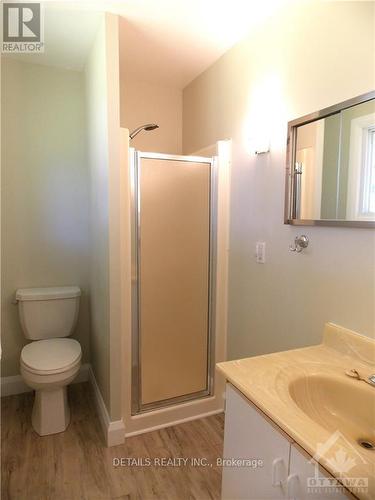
102,117
298,62
144,102
44,192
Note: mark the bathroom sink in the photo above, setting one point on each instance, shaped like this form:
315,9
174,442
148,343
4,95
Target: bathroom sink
338,403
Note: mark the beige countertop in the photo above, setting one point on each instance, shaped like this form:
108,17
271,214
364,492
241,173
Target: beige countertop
267,380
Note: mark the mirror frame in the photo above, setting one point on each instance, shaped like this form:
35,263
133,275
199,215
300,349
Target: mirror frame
290,160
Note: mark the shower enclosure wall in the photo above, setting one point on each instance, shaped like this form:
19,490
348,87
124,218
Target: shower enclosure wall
173,230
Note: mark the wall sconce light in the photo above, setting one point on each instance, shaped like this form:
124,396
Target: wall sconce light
257,135
261,140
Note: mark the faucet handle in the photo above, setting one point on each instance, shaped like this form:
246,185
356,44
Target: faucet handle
353,373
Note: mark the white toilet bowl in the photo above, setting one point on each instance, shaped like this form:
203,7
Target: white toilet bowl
51,361
48,366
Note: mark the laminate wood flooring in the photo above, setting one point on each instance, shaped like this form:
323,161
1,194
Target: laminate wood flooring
76,465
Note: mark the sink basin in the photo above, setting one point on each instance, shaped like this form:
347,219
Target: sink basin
338,403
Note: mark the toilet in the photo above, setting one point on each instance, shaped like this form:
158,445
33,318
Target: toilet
51,361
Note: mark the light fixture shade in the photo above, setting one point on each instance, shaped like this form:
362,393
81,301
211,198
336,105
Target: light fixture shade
258,140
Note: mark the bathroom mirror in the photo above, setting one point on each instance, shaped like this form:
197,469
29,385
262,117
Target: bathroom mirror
330,175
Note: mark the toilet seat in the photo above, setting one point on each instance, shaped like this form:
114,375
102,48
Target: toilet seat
50,356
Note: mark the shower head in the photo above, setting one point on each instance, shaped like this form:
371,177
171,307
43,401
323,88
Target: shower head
147,127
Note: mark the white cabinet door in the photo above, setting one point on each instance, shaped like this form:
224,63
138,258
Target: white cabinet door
248,435
307,483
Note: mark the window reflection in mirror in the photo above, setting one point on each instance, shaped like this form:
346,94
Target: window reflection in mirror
357,171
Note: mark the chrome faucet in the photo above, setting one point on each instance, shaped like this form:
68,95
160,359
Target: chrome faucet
355,374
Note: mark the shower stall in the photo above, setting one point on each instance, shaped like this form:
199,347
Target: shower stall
173,261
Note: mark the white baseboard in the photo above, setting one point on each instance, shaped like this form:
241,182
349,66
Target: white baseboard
15,384
175,422
114,431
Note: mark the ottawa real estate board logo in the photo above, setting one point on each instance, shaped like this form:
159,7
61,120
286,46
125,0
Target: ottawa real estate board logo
22,28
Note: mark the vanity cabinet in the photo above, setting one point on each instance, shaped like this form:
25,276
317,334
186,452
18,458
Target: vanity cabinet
262,462
248,435
299,482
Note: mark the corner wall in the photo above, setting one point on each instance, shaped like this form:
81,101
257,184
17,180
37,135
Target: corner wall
302,60
97,141
103,127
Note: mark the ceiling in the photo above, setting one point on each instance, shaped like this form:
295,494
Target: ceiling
166,42
173,41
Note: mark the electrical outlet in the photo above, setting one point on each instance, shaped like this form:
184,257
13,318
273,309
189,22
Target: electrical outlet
260,252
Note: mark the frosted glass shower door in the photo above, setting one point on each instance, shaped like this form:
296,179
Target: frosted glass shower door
173,279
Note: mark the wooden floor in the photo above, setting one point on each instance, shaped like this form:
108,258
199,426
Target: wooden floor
76,465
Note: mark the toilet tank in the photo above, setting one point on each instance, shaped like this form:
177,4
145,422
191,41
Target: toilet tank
47,313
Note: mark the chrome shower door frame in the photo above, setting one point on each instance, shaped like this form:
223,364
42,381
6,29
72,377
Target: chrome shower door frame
135,168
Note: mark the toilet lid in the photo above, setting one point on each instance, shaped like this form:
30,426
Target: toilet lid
51,354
